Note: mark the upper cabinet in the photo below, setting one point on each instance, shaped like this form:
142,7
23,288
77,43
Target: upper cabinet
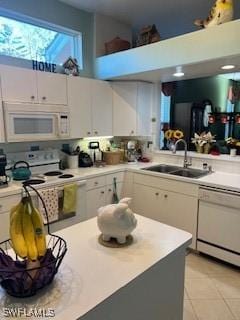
102,108
18,84
132,107
2,134
124,108
24,85
90,103
52,88
79,101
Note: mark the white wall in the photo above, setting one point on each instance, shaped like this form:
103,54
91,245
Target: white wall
106,29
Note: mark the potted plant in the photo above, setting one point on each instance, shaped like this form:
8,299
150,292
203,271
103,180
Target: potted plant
203,141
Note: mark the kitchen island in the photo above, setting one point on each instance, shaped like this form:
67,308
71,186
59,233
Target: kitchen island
139,282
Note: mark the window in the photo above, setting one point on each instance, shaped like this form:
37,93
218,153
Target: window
28,41
164,117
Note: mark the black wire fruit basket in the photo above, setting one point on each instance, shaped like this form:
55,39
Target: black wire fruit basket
21,279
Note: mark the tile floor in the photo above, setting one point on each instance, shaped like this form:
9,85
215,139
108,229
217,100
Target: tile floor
212,289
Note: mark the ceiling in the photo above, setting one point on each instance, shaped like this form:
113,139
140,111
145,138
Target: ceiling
172,17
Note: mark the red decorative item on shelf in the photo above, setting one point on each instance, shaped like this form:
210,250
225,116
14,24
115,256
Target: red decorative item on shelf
224,119
237,119
211,119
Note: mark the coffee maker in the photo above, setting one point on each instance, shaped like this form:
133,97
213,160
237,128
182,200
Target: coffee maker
4,179
132,151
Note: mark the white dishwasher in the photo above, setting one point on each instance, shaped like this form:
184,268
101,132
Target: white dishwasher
219,224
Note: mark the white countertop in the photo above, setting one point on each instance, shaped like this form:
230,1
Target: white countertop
90,273
218,179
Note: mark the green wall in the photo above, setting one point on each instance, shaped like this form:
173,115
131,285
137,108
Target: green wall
58,13
197,90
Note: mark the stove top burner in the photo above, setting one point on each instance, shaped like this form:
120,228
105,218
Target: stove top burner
66,176
33,181
53,173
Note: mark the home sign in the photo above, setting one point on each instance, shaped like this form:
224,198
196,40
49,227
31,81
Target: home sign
44,66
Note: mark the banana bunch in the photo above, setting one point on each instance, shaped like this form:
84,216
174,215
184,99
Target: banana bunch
27,231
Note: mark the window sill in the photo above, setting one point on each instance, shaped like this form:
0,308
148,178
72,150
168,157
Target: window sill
192,154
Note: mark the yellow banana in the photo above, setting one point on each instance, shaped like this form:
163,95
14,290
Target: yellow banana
28,233
40,237
15,208
16,234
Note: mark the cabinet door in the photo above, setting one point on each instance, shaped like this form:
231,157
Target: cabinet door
96,198
144,108
79,102
109,192
2,134
146,201
18,84
180,211
124,108
102,108
52,88
4,227
172,208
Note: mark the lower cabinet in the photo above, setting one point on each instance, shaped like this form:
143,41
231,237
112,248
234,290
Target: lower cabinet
100,192
6,203
100,197
172,208
96,198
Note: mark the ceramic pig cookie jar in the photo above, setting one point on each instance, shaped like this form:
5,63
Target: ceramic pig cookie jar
116,221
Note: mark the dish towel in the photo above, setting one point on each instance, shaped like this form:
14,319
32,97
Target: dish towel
50,198
69,198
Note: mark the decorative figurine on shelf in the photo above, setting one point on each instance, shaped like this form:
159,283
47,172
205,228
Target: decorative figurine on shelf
116,221
71,67
220,13
148,35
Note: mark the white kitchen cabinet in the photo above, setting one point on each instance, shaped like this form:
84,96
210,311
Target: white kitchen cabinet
6,203
109,192
5,224
2,133
18,84
124,108
132,105
25,85
144,108
173,208
102,108
90,103
96,198
79,102
100,191
52,88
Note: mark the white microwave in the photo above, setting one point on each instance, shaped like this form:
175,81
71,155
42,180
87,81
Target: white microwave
35,122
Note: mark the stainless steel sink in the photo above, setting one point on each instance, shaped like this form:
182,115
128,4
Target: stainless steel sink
190,173
163,168
178,171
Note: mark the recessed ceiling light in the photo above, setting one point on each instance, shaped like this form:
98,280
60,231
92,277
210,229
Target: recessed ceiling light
178,74
228,67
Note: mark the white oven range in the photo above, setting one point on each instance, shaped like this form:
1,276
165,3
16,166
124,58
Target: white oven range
46,175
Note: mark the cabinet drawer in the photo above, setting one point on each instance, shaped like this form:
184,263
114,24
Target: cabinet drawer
118,175
96,182
6,203
167,184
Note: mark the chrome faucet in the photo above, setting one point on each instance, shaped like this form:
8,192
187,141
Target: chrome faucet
186,163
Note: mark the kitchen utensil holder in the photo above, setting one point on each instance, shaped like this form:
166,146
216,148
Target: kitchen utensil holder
20,281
